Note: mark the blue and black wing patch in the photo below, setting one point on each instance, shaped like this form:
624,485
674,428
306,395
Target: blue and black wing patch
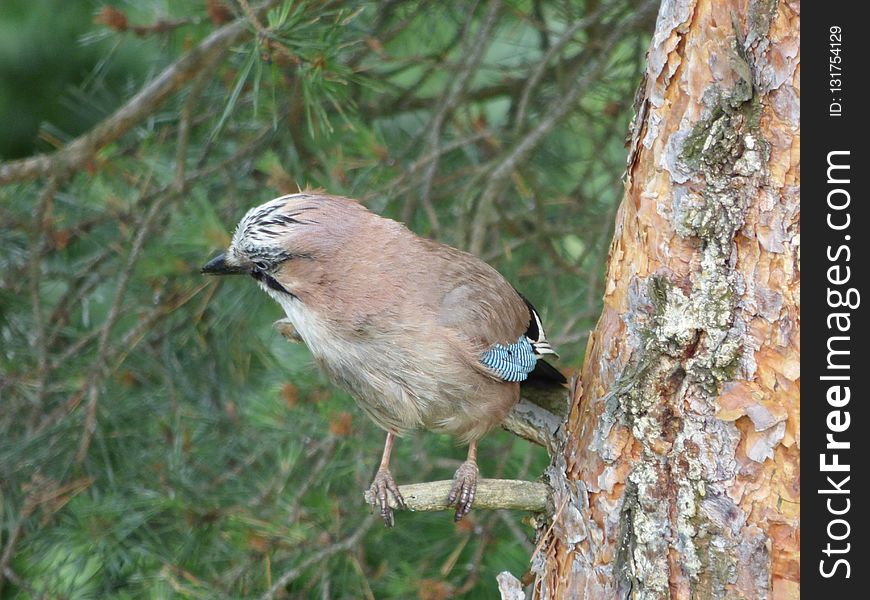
511,362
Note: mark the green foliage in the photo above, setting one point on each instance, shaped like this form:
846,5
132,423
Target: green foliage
64,97
157,437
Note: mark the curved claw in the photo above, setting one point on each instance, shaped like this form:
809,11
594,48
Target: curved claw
286,328
464,488
382,484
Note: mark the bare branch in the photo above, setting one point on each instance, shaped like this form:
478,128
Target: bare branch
509,587
82,149
533,423
478,44
541,68
558,109
37,240
492,494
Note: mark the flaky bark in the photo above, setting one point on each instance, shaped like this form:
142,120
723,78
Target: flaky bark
677,474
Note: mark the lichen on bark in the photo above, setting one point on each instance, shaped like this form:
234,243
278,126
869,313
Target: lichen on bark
680,429
693,342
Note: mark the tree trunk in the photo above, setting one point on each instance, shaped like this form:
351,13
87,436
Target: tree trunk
677,474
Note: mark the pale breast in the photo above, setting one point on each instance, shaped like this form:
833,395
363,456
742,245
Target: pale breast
364,369
403,385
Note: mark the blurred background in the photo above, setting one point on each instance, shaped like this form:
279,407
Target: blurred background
158,438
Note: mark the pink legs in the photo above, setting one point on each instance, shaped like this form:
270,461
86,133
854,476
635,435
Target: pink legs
465,484
384,483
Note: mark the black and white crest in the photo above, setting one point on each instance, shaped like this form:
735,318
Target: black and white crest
258,235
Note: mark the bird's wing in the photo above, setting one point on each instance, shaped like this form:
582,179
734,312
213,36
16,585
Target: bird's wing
510,362
501,327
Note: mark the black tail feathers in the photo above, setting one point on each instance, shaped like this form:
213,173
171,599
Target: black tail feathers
546,374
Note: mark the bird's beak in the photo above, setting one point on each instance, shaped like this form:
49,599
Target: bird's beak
218,266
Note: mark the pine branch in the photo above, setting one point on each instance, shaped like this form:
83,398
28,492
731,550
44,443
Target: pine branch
78,152
341,546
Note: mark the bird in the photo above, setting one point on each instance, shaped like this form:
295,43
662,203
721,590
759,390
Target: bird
422,335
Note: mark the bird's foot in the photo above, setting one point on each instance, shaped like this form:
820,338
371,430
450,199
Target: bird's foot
382,484
286,328
464,488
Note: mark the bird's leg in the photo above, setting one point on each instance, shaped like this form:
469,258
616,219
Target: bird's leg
464,484
384,482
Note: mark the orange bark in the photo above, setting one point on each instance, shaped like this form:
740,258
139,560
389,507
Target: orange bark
678,474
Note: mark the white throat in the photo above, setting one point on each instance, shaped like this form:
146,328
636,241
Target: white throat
307,323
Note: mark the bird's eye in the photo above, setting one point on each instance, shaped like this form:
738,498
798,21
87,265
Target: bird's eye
261,265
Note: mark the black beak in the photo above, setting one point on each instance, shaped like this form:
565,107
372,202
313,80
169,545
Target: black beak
218,266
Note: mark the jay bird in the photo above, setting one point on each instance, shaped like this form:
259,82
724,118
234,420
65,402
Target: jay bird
422,335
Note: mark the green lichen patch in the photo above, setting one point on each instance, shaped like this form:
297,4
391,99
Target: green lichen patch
714,142
761,16
623,564
691,343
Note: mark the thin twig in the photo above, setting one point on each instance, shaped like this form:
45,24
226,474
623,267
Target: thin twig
404,180
141,328
342,546
114,313
266,36
470,62
87,277
521,538
37,241
541,67
557,110
185,118
327,451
